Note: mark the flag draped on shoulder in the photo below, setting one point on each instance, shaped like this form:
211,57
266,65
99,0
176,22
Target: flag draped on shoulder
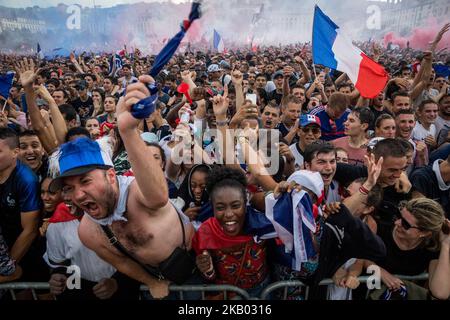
333,49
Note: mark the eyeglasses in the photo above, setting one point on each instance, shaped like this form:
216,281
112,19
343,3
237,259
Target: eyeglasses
314,130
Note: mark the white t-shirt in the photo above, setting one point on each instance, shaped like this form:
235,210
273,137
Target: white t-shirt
63,244
419,133
441,124
333,193
297,155
338,293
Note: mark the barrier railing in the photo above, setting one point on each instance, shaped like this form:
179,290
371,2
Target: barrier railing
11,287
225,289
285,285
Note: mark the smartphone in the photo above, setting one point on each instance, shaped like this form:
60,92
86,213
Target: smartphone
251,97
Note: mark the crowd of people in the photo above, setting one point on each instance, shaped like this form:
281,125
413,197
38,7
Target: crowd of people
184,196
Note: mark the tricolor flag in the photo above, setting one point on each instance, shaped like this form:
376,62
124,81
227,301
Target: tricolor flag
293,217
218,42
144,108
333,49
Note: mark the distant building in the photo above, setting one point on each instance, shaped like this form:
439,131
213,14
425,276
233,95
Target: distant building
402,17
34,26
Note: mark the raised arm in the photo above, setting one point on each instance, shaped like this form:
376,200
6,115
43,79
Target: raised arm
187,77
340,79
236,79
306,74
225,138
358,200
312,87
247,139
153,190
287,73
28,74
75,63
59,124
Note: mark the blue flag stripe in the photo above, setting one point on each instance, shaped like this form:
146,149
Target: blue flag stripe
324,35
6,84
216,40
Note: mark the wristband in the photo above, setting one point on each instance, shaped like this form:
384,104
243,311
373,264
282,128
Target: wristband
363,190
221,123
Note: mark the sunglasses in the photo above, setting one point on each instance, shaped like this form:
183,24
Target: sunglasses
314,130
405,224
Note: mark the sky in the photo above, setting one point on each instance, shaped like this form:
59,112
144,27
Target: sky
89,3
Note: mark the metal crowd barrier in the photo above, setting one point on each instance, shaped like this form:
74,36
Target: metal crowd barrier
203,289
285,285
11,287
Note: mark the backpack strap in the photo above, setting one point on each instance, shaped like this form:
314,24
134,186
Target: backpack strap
116,243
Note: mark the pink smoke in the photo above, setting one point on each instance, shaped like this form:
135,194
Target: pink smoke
420,37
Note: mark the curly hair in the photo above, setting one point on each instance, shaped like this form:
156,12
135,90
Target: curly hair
222,177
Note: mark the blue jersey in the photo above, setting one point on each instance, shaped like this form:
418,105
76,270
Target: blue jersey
331,130
19,193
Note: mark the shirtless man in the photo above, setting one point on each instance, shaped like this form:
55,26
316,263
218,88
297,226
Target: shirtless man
148,226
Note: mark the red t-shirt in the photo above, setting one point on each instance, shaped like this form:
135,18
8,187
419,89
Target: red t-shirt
355,155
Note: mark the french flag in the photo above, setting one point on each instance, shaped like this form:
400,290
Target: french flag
331,48
218,42
293,216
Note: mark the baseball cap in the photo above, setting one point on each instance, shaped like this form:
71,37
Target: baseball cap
373,142
213,68
224,65
81,85
277,74
149,137
77,157
307,119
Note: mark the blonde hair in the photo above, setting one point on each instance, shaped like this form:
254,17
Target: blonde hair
430,217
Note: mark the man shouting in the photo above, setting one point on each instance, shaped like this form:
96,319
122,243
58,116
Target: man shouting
129,222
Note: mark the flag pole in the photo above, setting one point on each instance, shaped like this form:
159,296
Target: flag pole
312,44
4,105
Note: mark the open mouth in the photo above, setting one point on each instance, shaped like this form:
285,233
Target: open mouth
72,208
230,227
326,176
90,207
31,158
268,123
